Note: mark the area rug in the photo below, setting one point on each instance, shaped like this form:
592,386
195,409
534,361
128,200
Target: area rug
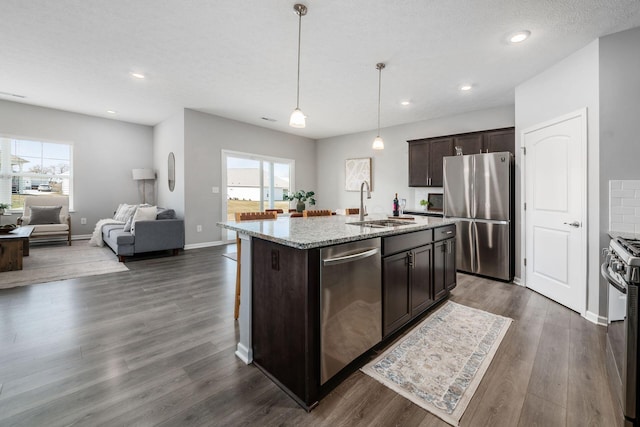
439,364
48,263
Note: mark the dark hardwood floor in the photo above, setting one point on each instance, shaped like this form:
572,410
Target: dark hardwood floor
155,346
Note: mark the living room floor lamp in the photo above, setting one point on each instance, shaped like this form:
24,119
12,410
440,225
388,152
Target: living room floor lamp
143,175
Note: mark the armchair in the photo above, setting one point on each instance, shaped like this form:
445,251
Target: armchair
47,228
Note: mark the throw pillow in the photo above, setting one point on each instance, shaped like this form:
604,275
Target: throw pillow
166,214
124,212
143,213
45,215
127,225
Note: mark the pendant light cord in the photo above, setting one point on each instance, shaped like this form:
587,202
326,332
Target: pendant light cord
379,90
379,66
299,36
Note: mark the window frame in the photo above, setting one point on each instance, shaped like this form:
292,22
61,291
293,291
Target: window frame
4,172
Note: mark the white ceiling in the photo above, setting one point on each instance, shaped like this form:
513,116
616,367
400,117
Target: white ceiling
238,59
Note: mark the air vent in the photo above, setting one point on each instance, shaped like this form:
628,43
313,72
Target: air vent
12,94
269,119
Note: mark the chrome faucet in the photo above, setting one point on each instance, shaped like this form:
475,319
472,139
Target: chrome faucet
362,214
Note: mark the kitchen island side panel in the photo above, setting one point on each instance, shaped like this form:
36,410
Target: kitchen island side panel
285,318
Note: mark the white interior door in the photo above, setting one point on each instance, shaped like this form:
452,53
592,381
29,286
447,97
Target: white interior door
555,180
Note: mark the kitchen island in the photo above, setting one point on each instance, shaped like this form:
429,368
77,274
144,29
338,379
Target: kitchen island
318,293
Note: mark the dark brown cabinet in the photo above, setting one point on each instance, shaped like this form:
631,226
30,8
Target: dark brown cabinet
425,155
500,140
444,267
416,273
469,143
425,161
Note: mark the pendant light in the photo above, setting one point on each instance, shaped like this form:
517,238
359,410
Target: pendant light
298,119
378,143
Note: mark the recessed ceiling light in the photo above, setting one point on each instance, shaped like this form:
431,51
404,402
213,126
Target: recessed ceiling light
520,36
111,112
405,103
137,75
465,88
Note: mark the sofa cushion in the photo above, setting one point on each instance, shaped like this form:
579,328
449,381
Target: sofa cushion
45,215
127,225
143,213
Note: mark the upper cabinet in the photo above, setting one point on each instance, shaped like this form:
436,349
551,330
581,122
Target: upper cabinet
425,155
425,161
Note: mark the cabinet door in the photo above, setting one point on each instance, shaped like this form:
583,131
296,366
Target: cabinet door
500,140
438,149
396,307
420,267
469,144
450,279
418,163
439,269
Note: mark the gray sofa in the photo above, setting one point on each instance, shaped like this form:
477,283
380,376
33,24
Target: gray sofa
150,236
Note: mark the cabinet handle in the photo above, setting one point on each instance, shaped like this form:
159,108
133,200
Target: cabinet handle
410,257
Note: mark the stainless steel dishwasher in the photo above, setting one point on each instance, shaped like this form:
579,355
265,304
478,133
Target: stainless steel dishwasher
350,303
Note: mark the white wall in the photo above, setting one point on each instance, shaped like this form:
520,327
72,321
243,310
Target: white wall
168,137
104,153
205,136
568,86
619,119
390,166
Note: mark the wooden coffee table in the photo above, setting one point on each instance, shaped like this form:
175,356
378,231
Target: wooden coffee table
13,246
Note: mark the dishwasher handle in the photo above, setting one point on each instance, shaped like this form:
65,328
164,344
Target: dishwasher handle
350,258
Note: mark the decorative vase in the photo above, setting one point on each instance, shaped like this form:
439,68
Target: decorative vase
300,206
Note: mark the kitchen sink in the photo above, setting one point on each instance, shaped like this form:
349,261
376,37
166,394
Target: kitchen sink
382,223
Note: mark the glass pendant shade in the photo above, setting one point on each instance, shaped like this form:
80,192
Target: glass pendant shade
378,143
297,119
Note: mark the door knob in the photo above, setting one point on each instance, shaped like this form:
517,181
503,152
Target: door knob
575,224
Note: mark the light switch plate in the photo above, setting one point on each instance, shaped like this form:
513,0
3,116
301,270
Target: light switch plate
83,221
215,190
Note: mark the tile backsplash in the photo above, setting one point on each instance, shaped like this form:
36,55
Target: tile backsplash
624,206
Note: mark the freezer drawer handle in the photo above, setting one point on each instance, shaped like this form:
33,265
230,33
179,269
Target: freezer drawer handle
350,258
449,232
575,224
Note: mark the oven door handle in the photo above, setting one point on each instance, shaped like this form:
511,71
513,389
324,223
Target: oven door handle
604,270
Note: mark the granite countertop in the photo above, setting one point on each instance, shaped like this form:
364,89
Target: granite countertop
315,232
624,235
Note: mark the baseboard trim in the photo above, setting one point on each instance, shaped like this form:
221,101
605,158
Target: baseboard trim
594,318
518,281
204,245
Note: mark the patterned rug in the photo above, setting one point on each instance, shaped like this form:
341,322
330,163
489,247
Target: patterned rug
439,364
53,262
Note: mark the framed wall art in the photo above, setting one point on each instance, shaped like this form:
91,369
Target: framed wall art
356,171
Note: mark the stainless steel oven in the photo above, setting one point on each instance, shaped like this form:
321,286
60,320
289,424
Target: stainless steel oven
621,269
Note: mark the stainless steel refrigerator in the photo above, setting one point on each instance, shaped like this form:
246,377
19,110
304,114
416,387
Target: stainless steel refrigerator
478,192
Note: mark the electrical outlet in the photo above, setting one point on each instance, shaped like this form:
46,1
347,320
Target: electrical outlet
83,221
215,190
198,228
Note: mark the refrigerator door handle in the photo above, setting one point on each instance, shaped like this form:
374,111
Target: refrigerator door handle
474,246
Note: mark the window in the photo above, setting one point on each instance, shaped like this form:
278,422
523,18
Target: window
33,168
254,183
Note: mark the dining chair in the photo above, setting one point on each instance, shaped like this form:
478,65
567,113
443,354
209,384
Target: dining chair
246,216
317,212
352,211
278,211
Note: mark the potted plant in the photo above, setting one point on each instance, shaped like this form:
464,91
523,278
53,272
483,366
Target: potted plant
3,206
425,204
301,196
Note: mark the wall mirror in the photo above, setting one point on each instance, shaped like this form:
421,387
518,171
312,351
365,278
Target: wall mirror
172,171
